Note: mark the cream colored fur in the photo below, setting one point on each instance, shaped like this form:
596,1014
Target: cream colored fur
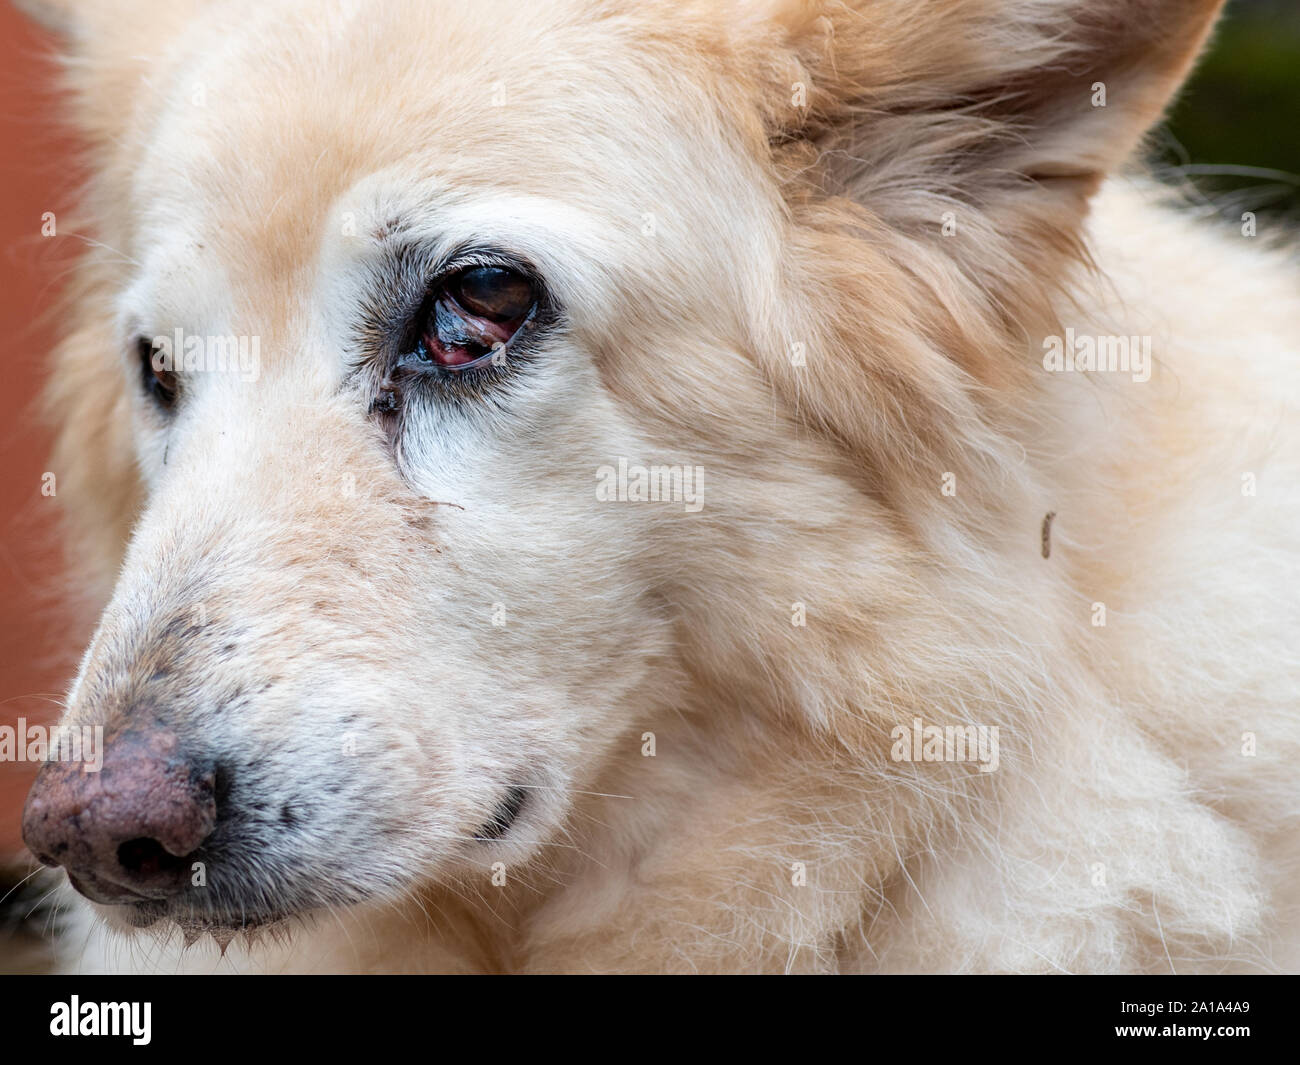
700,225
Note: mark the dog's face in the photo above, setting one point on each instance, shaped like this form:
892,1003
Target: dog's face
390,593
383,588
372,585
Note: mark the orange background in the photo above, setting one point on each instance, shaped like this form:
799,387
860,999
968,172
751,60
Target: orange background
38,646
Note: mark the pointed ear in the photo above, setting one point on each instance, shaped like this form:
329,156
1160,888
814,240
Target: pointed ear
985,97
937,158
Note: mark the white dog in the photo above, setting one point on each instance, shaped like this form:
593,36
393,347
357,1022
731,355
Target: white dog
708,486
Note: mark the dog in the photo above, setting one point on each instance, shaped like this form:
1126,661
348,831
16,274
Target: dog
670,487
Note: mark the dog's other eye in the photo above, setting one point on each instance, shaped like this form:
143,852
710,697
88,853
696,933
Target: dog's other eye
159,381
474,313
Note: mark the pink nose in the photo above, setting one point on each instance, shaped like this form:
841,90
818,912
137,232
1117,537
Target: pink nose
123,833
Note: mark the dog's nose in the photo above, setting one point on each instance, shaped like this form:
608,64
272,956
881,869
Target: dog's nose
123,833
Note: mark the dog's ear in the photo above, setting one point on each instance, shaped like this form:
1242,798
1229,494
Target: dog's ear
937,160
983,97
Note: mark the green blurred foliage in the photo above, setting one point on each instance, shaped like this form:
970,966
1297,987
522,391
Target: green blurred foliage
1240,112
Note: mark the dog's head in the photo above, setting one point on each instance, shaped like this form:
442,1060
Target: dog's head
469,383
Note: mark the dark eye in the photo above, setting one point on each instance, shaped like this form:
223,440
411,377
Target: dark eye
493,292
156,375
475,313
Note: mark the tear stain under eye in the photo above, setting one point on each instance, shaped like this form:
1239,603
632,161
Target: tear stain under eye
390,393
386,407
388,401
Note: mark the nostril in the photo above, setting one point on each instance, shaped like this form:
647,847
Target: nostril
147,858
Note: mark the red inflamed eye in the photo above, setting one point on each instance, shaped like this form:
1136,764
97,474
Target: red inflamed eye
475,313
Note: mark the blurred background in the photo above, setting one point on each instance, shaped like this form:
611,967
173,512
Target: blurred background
37,650
1236,128
1236,131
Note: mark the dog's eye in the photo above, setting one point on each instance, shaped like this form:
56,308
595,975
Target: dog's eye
474,313
158,379
493,292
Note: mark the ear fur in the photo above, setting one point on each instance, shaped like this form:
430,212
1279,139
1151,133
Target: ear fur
982,95
937,159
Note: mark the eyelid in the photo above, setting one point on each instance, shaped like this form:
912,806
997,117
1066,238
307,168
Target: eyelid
400,290
467,260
